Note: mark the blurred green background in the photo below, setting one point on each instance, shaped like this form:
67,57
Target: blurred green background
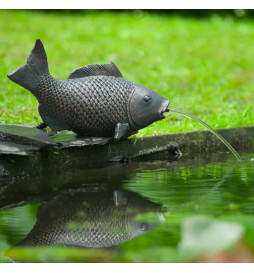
202,60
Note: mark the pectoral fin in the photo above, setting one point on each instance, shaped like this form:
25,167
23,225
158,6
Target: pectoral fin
122,130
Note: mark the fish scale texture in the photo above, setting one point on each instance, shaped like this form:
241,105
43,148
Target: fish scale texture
90,224
88,106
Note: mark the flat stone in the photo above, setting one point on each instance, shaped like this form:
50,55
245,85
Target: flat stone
24,139
67,139
25,135
17,149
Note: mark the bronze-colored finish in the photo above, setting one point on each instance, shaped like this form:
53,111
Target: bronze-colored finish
95,100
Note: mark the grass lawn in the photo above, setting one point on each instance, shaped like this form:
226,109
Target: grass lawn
204,66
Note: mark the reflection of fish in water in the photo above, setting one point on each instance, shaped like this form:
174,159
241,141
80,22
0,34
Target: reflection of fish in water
96,220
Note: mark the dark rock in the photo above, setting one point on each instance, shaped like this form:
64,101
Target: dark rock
20,139
26,136
67,139
25,150
17,149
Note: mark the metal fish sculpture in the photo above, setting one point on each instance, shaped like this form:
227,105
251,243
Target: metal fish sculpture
91,219
95,100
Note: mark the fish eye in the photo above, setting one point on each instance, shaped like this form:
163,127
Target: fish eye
147,99
144,226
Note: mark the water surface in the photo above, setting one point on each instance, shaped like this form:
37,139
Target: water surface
196,209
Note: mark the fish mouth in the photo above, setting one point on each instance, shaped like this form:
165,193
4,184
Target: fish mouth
164,109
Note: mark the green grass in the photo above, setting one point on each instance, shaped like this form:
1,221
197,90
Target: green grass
203,66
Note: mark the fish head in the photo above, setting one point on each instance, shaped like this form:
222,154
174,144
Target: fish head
138,228
145,107
142,215
143,223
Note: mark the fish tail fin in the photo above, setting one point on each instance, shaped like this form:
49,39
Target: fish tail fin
28,75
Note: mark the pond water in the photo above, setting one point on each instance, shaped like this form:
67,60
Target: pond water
183,210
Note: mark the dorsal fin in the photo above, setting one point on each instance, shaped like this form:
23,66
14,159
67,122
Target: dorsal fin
109,69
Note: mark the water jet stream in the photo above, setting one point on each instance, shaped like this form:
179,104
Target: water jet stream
222,139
